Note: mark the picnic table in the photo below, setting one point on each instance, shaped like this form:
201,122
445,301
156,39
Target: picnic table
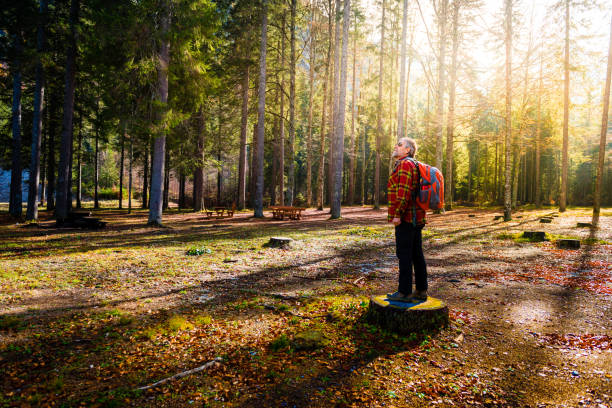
293,213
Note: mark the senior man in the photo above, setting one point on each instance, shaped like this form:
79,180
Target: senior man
409,220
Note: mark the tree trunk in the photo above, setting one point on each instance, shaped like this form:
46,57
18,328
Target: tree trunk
441,80
402,83
243,141
145,177
15,192
97,156
121,164
311,70
339,133
566,82
258,154
130,177
507,192
324,107
281,139
602,136
450,128
334,99
379,133
51,128
292,62
63,181
198,175
39,93
351,181
159,149
166,196
538,136
79,196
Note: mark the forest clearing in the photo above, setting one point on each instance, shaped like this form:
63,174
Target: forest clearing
89,316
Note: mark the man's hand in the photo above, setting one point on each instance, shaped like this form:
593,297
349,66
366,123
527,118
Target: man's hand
396,221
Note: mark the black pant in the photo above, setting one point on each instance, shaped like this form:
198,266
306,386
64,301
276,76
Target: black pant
409,251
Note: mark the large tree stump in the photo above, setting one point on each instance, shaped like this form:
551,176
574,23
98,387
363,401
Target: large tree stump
404,317
568,243
279,242
535,235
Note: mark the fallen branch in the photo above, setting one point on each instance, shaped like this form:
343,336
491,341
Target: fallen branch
183,374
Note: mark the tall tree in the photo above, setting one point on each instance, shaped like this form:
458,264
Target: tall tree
63,180
602,136
324,107
442,18
39,94
292,63
450,128
339,125
15,192
243,141
566,83
258,154
508,117
159,144
379,132
311,71
402,89
354,91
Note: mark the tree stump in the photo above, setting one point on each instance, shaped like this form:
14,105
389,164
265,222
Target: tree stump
279,242
405,317
568,243
545,220
584,225
535,235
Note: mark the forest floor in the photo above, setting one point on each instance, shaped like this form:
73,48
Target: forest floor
86,317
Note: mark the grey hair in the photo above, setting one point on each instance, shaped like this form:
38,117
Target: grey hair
409,143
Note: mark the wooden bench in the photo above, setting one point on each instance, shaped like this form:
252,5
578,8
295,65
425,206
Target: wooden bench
293,213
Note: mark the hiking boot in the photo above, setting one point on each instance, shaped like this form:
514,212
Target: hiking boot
419,295
399,296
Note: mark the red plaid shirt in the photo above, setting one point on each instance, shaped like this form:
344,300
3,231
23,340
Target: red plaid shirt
402,181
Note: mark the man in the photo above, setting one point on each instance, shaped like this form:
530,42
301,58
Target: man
409,221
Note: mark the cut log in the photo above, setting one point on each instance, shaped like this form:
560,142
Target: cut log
404,317
584,225
568,243
471,215
545,220
280,242
535,235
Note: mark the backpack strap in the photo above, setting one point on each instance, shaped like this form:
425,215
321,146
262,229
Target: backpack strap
415,192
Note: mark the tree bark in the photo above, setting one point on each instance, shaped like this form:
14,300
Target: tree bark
291,158
198,175
159,149
379,133
339,133
324,107
450,128
402,83
145,177
63,181
166,196
566,102
16,179
51,128
258,155
281,138
351,181
39,94
602,136
243,141
311,70
538,136
124,131
441,81
507,191
79,196
130,176
97,156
